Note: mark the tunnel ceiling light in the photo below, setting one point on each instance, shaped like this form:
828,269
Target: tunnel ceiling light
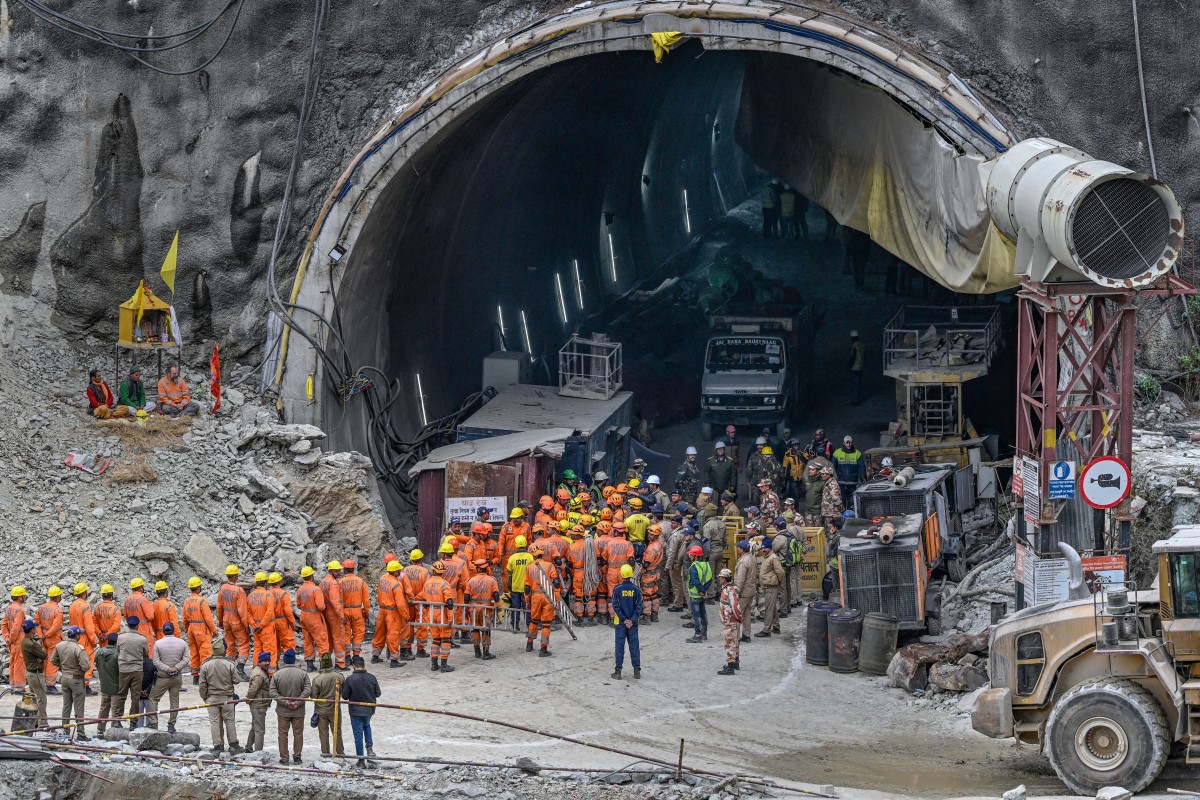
339,250
687,213
612,258
500,321
578,284
562,301
421,397
525,331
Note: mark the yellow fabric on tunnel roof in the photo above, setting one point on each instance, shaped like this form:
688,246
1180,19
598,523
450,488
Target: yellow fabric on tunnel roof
663,42
851,148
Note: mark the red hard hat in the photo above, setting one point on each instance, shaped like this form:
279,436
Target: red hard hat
695,551
481,527
389,558
547,502
348,563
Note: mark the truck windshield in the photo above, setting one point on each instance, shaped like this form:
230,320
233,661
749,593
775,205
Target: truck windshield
748,353
1184,584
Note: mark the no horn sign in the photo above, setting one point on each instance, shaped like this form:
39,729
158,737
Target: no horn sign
1105,482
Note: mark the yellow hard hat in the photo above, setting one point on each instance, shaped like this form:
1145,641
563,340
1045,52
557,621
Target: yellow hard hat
415,555
626,571
333,566
394,566
587,520
54,591
160,586
565,525
141,415
520,541
635,502
516,513
136,583
194,582
107,589
232,570
306,571
768,451
446,548
634,483
274,577
80,588
18,591
260,576
575,502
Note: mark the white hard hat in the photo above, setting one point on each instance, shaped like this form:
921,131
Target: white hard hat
691,451
706,490
719,444
653,479
887,461
760,440
853,334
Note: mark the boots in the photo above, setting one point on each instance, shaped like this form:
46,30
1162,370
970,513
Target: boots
737,663
728,669
654,617
446,667
487,653
421,653
170,727
375,659
694,639
433,664
370,752
195,680
406,654
544,653
529,645
454,644
310,664
616,676
637,673
478,651
395,663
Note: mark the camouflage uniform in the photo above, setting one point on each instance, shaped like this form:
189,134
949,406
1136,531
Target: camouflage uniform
769,505
831,496
731,621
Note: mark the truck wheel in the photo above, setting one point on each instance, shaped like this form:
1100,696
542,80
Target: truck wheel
706,430
1107,732
933,625
956,568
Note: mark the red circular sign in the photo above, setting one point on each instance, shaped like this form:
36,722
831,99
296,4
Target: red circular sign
1105,482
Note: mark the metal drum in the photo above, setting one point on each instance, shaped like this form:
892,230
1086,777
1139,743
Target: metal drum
816,638
845,631
879,632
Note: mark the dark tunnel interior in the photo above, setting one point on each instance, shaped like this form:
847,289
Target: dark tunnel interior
591,174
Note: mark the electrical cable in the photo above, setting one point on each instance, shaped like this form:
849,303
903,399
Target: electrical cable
1137,46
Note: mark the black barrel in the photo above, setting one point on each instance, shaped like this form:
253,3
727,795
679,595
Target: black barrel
879,632
845,629
816,638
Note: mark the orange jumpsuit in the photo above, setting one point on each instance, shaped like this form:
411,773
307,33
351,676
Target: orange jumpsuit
164,612
234,618
476,549
356,600
482,590
260,606
414,577
393,616
617,553
581,601
311,602
456,576
201,628
507,544
138,605
50,620
437,591
652,567
602,542
541,584
14,619
285,618
335,628
108,620
80,615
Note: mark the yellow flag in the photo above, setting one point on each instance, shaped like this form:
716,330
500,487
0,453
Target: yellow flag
168,267
138,301
663,42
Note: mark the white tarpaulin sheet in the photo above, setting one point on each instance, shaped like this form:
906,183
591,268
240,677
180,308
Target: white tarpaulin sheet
496,448
854,150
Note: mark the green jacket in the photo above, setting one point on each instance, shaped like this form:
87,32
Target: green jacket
108,670
131,394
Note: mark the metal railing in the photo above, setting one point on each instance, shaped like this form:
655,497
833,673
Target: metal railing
937,336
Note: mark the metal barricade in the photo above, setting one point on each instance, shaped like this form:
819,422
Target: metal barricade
475,616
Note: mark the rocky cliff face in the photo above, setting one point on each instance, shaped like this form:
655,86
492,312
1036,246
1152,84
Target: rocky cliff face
102,159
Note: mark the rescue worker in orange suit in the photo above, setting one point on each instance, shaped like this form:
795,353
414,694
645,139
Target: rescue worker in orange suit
481,546
617,553
414,577
138,605
483,593
653,558
562,498
516,526
80,616
605,531
233,617
393,616
335,614
545,514
13,629
107,614
260,609
541,593
50,621
164,610
200,626
440,596
356,601
555,544
285,616
456,576
311,602
583,597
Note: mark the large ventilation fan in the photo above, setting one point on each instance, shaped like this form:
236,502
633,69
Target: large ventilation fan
1074,217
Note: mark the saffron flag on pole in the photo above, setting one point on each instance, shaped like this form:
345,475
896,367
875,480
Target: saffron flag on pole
214,386
168,268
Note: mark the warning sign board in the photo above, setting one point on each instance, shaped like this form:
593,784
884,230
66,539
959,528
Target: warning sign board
1105,482
1031,480
1062,480
1048,579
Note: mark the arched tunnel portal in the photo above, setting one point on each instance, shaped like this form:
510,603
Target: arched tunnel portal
549,173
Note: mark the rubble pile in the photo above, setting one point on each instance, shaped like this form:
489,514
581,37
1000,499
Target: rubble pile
937,673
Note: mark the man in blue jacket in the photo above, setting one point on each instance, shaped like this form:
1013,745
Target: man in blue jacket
627,611
699,580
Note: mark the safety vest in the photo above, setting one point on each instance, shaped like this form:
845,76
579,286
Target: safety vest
516,566
173,393
703,577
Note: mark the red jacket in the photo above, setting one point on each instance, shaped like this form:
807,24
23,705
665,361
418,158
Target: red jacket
95,400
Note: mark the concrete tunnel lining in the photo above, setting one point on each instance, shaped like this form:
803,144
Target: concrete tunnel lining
446,107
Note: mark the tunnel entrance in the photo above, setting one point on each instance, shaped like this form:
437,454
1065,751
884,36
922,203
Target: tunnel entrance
537,206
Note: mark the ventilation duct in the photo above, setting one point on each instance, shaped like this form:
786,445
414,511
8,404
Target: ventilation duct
1074,217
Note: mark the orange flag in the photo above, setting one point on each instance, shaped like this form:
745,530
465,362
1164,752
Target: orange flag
215,379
